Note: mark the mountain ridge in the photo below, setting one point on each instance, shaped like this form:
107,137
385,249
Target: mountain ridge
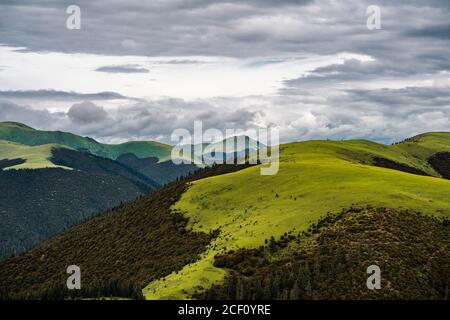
244,209
23,134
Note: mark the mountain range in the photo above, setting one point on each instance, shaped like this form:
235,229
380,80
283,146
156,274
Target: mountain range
63,179
227,232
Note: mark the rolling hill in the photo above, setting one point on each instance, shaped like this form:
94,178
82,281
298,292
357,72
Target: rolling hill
150,158
162,170
315,177
23,134
32,157
242,210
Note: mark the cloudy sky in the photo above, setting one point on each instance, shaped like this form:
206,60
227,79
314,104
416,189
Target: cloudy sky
140,69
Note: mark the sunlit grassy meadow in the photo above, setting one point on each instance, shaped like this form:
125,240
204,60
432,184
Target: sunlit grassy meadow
315,177
35,157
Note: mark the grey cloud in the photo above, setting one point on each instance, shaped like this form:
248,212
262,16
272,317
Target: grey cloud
131,68
414,47
334,108
59,95
229,28
393,114
143,120
350,70
158,119
399,101
134,27
343,76
382,115
438,32
41,119
86,112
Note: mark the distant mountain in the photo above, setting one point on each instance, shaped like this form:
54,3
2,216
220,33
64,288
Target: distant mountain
163,171
55,160
234,144
234,148
23,134
150,158
46,189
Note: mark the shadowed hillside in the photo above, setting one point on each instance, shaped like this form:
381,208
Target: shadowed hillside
330,261
161,172
37,203
6,163
84,161
441,163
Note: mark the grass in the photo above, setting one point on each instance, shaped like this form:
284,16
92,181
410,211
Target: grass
35,157
315,177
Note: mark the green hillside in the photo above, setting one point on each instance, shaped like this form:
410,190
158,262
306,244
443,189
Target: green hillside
169,241
23,134
35,157
424,145
315,177
410,248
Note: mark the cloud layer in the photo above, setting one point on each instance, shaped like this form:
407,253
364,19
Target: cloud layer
401,88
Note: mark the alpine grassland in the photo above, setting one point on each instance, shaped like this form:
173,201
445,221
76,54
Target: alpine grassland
315,178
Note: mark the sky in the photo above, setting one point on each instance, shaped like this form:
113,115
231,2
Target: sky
138,70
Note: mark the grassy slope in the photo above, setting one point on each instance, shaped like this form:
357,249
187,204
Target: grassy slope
425,145
23,134
35,157
315,177
330,261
